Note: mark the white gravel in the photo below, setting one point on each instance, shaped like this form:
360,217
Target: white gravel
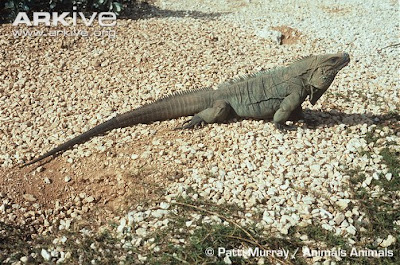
289,179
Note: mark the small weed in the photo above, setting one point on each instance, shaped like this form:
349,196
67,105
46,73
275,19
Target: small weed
319,234
381,210
371,137
202,236
344,97
356,177
391,159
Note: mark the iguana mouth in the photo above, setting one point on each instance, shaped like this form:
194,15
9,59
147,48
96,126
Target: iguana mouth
346,60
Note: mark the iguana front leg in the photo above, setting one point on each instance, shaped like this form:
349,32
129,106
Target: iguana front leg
217,113
288,105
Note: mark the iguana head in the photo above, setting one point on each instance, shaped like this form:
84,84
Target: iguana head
321,72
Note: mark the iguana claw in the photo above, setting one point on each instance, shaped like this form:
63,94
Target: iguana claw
192,123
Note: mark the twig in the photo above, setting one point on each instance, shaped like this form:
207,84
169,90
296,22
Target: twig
220,216
243,239
389,46
252,239
177,258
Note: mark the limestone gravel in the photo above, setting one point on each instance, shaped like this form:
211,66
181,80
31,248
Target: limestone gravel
52,91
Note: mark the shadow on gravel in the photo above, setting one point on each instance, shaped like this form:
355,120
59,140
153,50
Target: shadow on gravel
333,117
319,118
134,11
145,10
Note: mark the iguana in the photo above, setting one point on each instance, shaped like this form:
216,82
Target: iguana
277,93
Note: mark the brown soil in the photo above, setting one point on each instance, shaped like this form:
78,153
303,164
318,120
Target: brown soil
289,35
116,183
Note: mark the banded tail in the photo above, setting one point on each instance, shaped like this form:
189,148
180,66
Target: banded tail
170,107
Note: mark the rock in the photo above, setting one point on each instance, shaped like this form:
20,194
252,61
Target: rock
29,197
351,230
142,258
89,199
122,225
164,205
348,214
355,144
339,218
285,230
367,181
54,253
141,232
327,227
227,260
159,213
388,241
315,169
67,224
219,185
138,217
388,176
343,203
272,35
267,218
308,200
284,187
46,255
304,237
47,180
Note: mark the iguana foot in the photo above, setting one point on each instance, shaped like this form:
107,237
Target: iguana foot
284,127
192,123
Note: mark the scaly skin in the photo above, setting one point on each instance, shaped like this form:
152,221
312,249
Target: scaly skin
276,94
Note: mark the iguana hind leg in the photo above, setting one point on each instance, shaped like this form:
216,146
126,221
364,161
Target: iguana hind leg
217,113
